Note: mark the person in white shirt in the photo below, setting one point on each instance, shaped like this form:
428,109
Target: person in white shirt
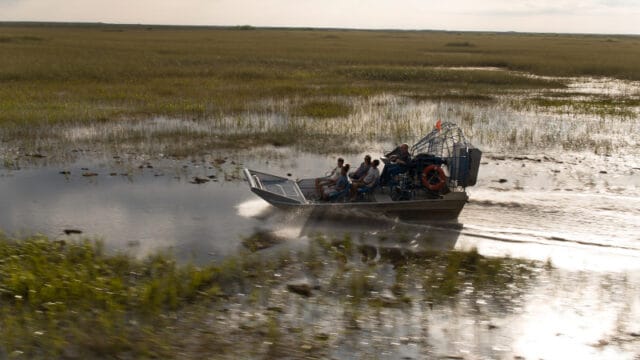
332,178
370,180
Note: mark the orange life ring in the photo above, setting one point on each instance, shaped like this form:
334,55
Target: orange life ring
426,179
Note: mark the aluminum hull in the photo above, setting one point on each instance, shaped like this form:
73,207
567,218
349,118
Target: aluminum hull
297,195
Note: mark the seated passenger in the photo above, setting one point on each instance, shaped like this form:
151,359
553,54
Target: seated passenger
331,178
400,162
339,188
369,181
362,170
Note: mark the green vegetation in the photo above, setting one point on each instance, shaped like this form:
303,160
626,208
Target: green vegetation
62,299
323,109
621,107
460,44
77,73
76,86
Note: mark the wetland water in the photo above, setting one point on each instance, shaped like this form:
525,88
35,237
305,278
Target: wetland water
561,209
534,207
578,209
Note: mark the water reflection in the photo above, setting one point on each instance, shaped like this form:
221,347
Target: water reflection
590,311
142,207
141,213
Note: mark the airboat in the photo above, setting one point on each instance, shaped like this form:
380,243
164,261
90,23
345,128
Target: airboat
432,187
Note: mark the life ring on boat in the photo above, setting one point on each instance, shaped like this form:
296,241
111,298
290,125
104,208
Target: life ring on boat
428,178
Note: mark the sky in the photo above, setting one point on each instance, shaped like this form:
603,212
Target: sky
555,16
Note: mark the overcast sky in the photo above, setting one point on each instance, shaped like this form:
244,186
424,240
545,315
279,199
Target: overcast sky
566,16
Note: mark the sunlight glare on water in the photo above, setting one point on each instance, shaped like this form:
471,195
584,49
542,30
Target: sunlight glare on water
254,208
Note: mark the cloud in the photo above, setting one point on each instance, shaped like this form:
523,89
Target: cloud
589,16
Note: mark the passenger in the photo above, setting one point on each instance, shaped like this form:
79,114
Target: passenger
362,170
331,178
370,180
340,187
400,162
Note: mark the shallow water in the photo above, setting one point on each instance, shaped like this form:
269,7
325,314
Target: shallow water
578,209
535,207
588,308
552,320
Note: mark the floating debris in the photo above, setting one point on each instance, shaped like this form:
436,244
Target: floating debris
302,287
72,231
89,174
199,180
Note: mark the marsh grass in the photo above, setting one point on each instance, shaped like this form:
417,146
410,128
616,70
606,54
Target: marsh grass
322,109
615,107
459,44
444,76
135,71
267,86
69,299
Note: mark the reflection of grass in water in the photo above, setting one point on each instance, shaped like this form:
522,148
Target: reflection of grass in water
70,299
443,275
460,268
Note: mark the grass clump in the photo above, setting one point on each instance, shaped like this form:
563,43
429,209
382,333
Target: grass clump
458,270
459,44
442,276
609,106
63,299
450,76
322,109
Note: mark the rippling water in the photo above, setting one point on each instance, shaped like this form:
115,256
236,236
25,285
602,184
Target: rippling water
543,210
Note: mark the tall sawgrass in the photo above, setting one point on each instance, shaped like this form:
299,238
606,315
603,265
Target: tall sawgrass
268,86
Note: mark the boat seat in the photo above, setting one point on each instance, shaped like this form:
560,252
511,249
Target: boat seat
340,196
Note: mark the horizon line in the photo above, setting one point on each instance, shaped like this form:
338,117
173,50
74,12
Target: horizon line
248,27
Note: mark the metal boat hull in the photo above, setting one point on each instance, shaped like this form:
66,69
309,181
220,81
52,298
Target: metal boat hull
292,195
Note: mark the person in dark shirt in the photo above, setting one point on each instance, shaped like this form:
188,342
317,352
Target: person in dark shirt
399,163
362,170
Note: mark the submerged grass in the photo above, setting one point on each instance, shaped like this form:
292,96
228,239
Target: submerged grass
69,299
